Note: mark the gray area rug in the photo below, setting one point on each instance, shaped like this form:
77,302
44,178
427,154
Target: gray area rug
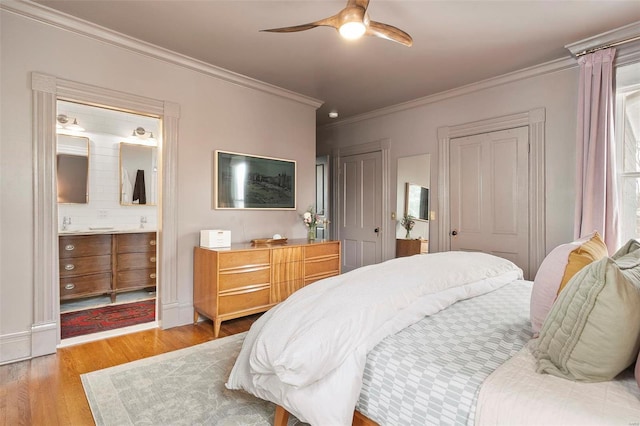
183,387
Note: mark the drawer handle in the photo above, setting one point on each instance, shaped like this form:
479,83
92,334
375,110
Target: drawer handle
152,259
69,247
152,276
70,267
69,286
152,242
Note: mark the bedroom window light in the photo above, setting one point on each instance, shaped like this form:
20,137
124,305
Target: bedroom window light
627,129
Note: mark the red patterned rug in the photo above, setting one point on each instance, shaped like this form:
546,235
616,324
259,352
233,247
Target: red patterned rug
88,321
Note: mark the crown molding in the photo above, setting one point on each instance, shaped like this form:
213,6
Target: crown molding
40,13
606,38
523,74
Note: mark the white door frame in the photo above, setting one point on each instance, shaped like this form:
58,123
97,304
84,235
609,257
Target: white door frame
388,227
47,89
535,120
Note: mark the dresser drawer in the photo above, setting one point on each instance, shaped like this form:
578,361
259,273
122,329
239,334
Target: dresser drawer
136,261
83,245
236,259
241,301
239,278
321,250
322,267
86,285
138,278
84,265
143,242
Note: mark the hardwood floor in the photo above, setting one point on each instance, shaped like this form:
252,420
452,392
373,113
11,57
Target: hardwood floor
47,390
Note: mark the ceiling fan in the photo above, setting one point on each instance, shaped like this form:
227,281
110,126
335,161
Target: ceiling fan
353,22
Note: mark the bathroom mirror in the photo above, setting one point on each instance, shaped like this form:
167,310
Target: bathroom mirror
72,169
416,201
138,174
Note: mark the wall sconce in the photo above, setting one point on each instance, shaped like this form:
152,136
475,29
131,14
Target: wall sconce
63,122
140,135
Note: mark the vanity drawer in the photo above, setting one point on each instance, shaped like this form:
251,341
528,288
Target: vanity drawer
86,285
84,245
143,242
138,278
84,265
136,261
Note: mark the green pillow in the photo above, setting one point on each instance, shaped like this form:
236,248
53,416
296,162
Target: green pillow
592,332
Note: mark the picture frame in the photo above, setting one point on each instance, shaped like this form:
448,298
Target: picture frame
251,182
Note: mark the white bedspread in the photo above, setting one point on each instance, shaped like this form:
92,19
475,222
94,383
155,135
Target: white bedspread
308,353
514,394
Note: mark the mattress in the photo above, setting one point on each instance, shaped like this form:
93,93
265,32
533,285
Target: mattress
431,372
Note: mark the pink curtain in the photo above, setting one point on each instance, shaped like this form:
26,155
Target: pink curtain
597,194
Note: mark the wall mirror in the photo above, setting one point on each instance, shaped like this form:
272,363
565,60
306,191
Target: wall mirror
416,201
138,174
72,169
414,170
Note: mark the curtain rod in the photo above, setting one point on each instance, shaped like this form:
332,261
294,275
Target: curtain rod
606,46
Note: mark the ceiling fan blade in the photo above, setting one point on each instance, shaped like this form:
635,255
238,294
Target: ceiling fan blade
326,22
359,3
389,32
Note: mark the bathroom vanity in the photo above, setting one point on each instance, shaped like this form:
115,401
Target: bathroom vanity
93,264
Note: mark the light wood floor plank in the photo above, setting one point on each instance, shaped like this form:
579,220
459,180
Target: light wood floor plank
48,391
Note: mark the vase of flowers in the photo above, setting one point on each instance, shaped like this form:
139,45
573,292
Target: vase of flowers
407,223
311,221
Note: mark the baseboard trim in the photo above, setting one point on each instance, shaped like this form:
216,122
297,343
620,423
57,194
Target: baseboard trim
44,338
15,347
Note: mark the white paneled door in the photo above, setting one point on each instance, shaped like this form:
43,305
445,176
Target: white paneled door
361,209
489,194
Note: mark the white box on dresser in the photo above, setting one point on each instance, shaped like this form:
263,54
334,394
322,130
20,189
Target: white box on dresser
215,238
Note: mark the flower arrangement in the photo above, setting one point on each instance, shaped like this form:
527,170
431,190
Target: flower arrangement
311,220
407,223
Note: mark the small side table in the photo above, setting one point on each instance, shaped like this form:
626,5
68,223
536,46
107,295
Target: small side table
411,247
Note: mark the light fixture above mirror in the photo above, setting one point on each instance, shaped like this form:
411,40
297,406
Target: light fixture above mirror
64,122
143,137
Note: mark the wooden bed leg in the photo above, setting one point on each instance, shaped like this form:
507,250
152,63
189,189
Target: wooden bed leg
281,417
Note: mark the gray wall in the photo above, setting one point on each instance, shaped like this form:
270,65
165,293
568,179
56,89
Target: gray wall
215,114
414,131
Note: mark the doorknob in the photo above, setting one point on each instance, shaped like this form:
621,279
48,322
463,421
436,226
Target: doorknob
454,232
377,230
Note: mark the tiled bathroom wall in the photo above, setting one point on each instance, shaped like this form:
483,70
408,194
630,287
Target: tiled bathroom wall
106,129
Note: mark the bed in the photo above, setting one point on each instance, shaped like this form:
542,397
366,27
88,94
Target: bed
408,341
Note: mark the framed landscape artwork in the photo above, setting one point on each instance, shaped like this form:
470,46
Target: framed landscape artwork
243,181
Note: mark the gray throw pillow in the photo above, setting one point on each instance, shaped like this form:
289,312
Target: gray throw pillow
592,332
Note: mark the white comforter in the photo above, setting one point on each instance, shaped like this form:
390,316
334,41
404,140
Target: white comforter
308,353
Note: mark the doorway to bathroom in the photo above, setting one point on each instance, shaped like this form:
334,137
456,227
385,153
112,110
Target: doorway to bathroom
107,174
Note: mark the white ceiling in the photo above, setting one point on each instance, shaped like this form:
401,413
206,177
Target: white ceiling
455,42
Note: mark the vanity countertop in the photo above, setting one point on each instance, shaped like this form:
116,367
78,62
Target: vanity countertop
104,230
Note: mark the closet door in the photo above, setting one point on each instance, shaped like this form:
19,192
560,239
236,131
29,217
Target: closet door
489,194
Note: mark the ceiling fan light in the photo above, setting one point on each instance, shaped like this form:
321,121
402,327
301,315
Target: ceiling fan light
352,30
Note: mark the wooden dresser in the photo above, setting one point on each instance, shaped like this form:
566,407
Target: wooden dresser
92,265
411,247
244,280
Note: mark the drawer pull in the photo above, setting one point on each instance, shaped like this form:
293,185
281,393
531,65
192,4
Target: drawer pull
69,286
152,259
152,242
69,247
69,266
152,276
